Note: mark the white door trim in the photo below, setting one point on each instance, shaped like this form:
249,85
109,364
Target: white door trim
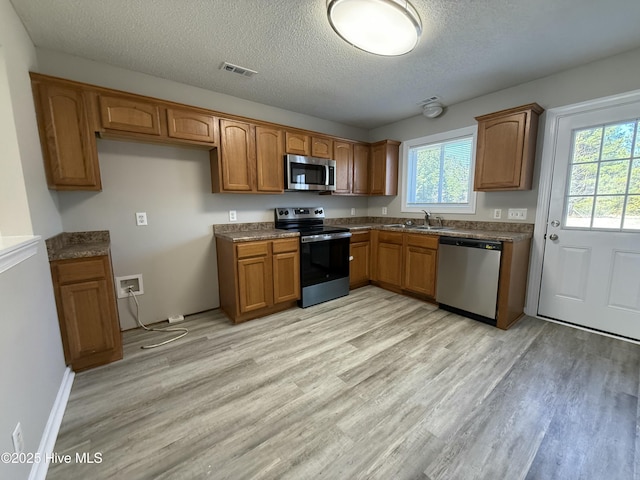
552,119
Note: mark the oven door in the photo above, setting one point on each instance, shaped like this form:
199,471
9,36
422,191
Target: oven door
308,173
324,261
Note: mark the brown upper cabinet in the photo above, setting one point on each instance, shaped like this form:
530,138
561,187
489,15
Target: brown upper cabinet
361,156
383,171
506,149
343,155
68,141
246,156
321,147
300,143
129,115
297,143
250,159
189,125
352,167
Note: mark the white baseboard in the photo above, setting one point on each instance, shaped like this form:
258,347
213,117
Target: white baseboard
50,434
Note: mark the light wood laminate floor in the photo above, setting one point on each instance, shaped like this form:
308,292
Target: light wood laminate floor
373,385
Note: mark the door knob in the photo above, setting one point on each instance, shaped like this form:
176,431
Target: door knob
553,236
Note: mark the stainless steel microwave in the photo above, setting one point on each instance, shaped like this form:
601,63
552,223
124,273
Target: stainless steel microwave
309,173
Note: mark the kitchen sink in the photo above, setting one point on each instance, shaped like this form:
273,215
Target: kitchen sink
417,227
430,227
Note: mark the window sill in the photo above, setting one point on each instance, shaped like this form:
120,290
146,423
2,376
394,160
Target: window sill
14,250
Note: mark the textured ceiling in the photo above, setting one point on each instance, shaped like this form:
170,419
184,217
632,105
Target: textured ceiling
468,48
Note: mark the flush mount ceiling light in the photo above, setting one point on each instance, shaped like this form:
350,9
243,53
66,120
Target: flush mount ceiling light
432,110
383,27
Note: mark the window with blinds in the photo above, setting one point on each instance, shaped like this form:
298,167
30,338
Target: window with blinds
439,173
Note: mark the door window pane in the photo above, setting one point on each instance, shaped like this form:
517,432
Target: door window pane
634,181
608,212
617,141
612,178
583,179
586,145
632,213
579,212
603,190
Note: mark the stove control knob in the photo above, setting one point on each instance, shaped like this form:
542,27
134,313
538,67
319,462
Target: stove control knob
319,211
280,212
286,212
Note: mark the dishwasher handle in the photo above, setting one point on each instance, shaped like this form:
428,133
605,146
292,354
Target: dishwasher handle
471,243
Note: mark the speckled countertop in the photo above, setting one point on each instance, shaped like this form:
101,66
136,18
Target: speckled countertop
495,235
68,245
497,231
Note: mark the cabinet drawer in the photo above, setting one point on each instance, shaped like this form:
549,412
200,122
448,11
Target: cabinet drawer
360,236
288,245
73,271
252,249
426,241
390,237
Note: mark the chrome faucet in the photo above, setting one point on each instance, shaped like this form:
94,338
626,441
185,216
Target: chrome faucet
439,219
427,216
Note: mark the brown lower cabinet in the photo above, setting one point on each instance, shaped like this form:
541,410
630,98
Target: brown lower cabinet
360,252
258,278
86,303
405,262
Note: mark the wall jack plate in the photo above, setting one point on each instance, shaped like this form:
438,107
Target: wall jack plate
123,284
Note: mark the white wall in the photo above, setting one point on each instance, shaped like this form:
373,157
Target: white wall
30,345
612,75
31,355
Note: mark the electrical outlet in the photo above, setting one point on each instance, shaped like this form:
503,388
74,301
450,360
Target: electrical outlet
133,281
497,214
353,211
18,439
233,216
141,218
176,318
517,214
384,210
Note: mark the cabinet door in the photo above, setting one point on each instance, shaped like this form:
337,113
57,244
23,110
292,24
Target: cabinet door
129,115
500,152
361,155
321,147
237,156
286,277
420,270
254,283
297,143
87,318
343,155
389,263
68,142
269,160
189,125
359,267
383,174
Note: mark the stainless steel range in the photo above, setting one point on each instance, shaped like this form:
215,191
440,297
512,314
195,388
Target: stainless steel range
324,254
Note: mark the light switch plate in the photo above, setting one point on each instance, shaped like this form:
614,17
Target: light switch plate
384,210
497,214
517,214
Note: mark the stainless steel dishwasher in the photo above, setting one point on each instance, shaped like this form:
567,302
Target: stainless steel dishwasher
468,274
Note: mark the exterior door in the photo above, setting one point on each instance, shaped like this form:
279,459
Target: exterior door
591,265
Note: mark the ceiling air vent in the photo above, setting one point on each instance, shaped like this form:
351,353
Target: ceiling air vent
230,67
435,98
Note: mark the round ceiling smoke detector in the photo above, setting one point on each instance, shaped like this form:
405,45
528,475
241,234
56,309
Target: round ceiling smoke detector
432,110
